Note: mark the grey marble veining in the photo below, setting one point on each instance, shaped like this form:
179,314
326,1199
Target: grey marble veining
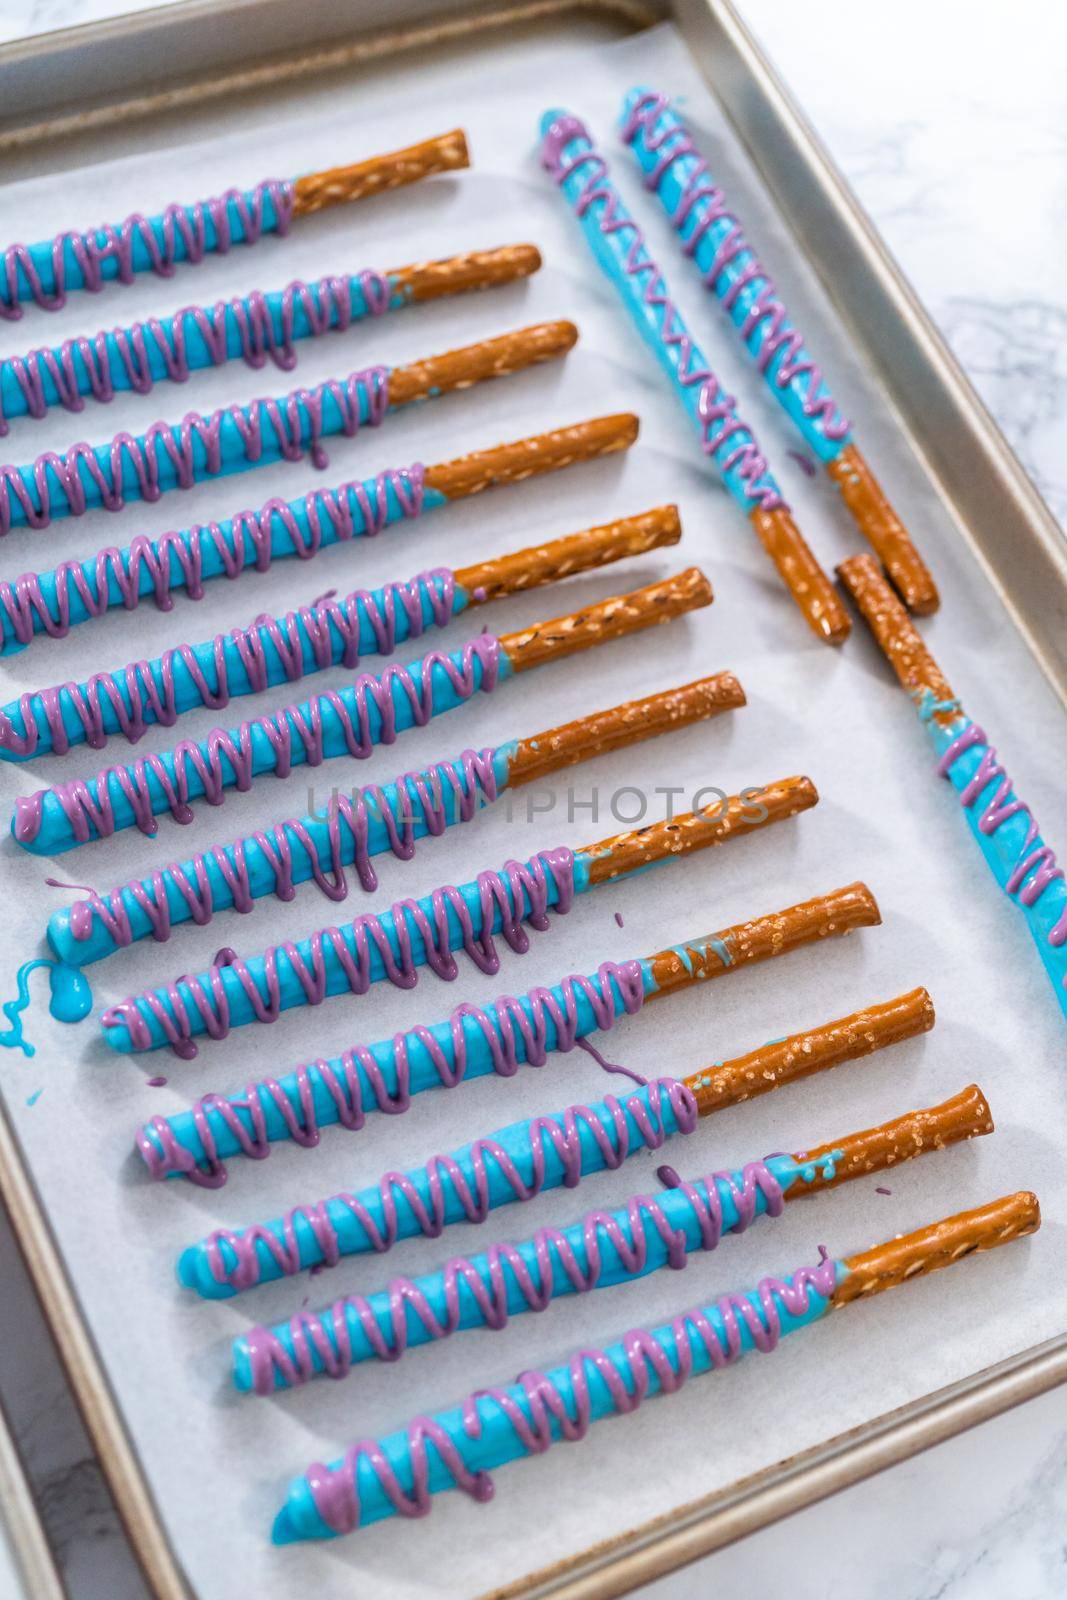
950,121
951,126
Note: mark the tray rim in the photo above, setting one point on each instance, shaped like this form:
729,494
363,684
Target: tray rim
757,102
19,1514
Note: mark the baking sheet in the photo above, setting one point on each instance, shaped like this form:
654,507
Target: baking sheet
217,1463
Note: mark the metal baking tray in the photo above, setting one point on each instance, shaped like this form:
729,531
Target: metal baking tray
136,77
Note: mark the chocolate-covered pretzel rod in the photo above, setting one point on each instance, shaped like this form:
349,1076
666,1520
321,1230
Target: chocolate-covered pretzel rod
456,1449
429,931
52,602
353,721
602,1250
519,1161
45,272
619,246
353,829
1002,825
713,236
330,633
254,328
238,438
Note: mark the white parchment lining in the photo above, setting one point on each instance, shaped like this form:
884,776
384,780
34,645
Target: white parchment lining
218,1464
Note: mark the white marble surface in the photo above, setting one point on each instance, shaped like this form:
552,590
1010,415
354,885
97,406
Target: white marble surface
950,120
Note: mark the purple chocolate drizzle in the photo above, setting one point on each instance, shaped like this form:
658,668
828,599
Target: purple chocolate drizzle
778,344
89,806
233,1258
140,460
1040,864
324,1341
176,559
423,804
325,305
137,699
717,410
548,879
544,1406
609,1066
184,226
245,1118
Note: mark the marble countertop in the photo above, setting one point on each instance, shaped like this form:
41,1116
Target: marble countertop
952,128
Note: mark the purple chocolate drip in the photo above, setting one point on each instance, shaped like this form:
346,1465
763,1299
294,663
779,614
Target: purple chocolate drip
348,821
1039,865
245,1119
137,701
181,554
187,225
141,458
89,807
323,1341
609,1066
326,305
777,342
548,879
544,1405
717,410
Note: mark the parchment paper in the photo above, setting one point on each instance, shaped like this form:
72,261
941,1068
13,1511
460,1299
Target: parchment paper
218,1463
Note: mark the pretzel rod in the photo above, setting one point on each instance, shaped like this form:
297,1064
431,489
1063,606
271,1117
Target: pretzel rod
45,272
915,1255
52,602
352,721
427,932
238,438
713,237
1001,824
618,243
602,1250
545,753
523,1159
329,633
747,943
457,1449
447,152
253,328
353,829
771,1066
